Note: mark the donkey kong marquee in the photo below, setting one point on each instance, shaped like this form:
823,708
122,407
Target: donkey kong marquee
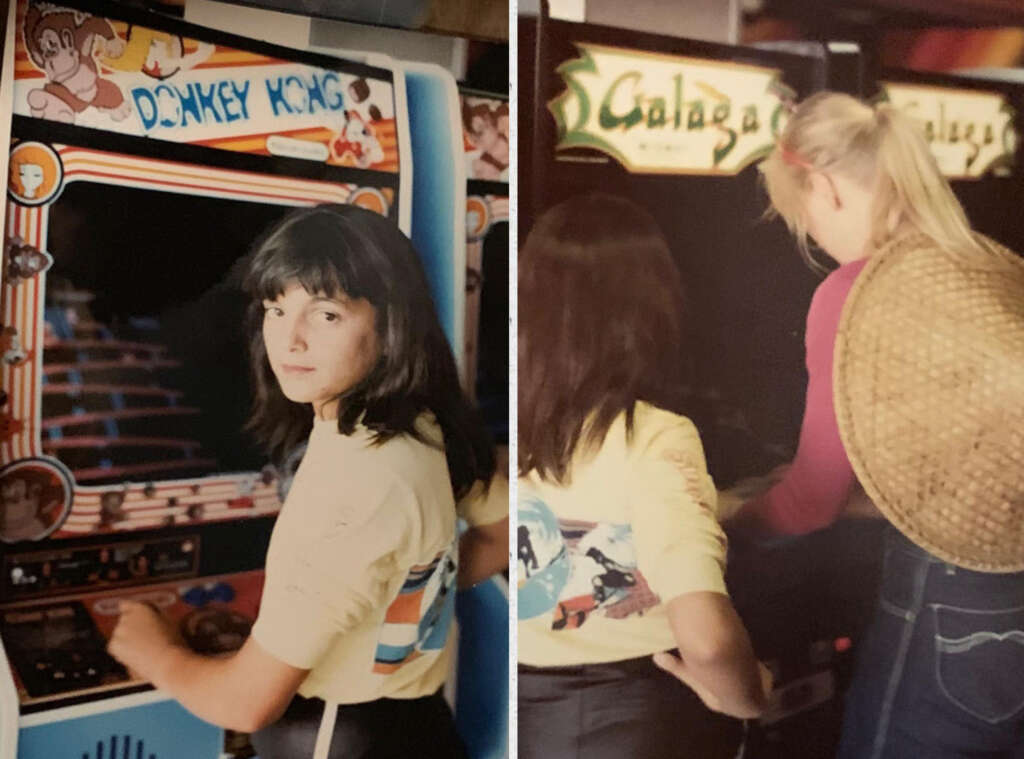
78,68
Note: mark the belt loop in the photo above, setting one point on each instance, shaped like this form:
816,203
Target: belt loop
326,731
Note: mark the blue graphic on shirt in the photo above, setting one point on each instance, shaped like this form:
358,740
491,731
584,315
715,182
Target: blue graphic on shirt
574,568
420,618
543,558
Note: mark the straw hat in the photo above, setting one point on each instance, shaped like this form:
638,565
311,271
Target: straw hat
929,396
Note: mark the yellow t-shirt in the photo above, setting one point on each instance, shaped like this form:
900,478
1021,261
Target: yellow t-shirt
360,573
599,557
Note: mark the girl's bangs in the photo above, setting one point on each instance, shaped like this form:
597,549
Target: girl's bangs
318,265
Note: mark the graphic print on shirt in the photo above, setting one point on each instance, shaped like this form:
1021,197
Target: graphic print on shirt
418,621
572,569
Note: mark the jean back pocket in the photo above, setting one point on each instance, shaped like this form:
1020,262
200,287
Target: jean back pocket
979,660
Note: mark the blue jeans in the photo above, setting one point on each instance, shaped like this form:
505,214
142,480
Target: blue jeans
940,674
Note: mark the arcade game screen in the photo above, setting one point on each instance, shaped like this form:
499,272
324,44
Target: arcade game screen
145,365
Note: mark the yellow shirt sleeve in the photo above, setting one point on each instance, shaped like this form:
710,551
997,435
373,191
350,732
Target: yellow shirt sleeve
321,583
480,507
680,546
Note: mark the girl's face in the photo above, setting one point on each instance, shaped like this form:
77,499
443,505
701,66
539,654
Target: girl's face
319,346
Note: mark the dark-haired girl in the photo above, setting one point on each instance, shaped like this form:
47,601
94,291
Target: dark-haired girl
354,633
620,553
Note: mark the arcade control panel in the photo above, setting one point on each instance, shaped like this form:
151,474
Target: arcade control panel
56,644
807,603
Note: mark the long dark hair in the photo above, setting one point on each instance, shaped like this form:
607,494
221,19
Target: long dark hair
338,249
599,302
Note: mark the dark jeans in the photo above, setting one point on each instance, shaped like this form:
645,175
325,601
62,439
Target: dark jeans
418,728
622,710
941,672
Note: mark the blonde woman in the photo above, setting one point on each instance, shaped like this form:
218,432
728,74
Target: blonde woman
916,391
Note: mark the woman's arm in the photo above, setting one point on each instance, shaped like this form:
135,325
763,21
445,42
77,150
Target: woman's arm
814,490
483,548
245,691
483,551
324,576
680,550
717,660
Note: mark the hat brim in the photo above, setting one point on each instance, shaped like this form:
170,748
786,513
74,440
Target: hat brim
928,385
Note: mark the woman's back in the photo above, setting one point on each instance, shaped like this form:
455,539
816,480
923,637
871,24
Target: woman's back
635,525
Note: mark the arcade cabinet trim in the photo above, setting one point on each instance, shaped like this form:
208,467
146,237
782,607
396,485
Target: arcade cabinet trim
7,107
89,708
31,223
406,169
491,199
8,709
438,76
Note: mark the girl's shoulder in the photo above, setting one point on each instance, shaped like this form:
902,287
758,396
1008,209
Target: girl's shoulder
401,460
353,477
652,423
363,441
662,436
831,293
424,447
651,426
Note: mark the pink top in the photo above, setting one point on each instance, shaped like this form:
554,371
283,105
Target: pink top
814,490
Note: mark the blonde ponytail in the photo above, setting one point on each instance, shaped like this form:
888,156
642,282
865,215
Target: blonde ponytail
912,186
881,147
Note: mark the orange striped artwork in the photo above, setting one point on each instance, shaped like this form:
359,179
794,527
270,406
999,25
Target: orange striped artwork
418,622
384,131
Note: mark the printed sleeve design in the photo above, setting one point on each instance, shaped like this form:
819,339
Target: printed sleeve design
573,569
679,543
418,621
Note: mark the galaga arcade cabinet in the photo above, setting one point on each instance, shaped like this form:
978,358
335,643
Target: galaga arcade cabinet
973,126
146,156
678,127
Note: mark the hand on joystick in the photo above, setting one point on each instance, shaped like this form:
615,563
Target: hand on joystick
144,641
